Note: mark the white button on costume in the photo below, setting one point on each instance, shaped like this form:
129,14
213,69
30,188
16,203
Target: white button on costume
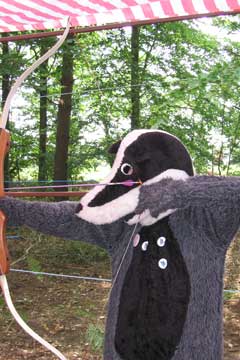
144,245
163,263
161,241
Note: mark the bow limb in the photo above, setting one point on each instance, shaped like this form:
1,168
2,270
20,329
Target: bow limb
27,72
4,146
19,320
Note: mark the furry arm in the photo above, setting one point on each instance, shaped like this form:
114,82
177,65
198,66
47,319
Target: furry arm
204,191
216,199
57,219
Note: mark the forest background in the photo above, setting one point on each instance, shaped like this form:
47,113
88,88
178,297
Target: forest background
177,77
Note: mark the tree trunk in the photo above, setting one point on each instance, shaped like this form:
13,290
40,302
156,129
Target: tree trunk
135,88
6,85
42,168
64,116
233,144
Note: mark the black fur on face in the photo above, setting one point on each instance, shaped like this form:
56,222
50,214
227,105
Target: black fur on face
149,155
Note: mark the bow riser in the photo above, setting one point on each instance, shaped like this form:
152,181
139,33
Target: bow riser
4,254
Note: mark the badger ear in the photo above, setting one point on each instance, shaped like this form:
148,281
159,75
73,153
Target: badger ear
114,147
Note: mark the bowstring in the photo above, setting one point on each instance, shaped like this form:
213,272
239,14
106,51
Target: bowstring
127,183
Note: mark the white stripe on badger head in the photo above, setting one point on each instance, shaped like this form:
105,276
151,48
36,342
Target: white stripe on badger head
130,138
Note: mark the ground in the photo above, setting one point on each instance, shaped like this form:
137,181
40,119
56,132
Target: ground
71,313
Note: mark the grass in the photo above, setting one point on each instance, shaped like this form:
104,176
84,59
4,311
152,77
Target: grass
95,337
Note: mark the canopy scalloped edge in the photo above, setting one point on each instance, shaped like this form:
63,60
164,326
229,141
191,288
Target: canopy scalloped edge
94,15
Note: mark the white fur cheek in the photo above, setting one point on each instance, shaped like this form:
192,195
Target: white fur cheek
112,210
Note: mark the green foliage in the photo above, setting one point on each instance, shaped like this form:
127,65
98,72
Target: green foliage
61,251
188,85
80,252
228,296
34,265
95,337
4,313
86,313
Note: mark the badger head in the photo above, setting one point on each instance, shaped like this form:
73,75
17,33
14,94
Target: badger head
144,156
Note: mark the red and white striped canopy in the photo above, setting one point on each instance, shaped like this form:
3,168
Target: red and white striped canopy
21,15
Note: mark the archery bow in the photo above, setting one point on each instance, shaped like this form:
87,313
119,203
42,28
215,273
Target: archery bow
4,146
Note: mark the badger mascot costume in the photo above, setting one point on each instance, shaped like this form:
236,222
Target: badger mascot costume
167,239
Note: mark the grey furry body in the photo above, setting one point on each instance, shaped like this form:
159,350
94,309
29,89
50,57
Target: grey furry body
205,222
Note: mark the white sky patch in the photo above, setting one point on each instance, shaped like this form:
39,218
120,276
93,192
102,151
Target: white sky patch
206,26
99,173
216,139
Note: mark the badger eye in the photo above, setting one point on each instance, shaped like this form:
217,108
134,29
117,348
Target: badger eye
127,169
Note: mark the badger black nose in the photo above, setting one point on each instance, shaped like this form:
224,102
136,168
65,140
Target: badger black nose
79,208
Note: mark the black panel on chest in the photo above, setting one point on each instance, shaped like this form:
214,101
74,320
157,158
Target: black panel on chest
154,297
